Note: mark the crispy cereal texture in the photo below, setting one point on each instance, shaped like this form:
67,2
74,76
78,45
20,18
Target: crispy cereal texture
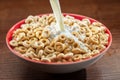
36,39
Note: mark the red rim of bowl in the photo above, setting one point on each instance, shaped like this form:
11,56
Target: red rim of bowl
76,16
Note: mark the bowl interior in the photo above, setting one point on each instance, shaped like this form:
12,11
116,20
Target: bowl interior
79,17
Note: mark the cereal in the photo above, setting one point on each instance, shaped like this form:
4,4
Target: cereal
45,59
49,49
68,55
77,57
59,46
62,38
52,56
37,44
20,49
60,56
39,39
45,41
78,50
26,43
67,50
45,34
13,43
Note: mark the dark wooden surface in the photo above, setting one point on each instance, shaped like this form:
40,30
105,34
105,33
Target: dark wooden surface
106,11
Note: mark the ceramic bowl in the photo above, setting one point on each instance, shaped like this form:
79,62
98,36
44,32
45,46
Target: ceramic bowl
58,67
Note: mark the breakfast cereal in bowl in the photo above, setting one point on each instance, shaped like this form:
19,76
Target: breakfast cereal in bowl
39,39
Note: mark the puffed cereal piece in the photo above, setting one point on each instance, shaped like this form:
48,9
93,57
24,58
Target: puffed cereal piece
40,53
36,18
82,30
23,26
45,34
37,50
102,29
60,56
45,59
92,46
62,38
26,27
101,47
94,52
94,39
20,43
88,33
38,29
35,25
20,36
30,19
69,17
76,34
37,44
49,49
78,51
26,43
30,55
83,25
97,47
103,38
45,53
33,39
30,49
42,17
43,21
52,57
87,55
17,31
38,34
13,43
52,43
30,34
20,49
36,59
67,50
68,55
68,22
98,24
77,57
77,26
24,38
51,19
75,45
59,46
70,40
45,41
95,30
86,21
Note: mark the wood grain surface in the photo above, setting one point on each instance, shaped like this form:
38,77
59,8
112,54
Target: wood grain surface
105,11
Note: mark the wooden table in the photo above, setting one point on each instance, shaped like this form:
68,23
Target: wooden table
106,11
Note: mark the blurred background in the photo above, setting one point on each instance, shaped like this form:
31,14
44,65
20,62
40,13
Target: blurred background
98,9
105,11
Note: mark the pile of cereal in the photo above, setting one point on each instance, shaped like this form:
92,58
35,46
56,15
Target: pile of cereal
40,39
